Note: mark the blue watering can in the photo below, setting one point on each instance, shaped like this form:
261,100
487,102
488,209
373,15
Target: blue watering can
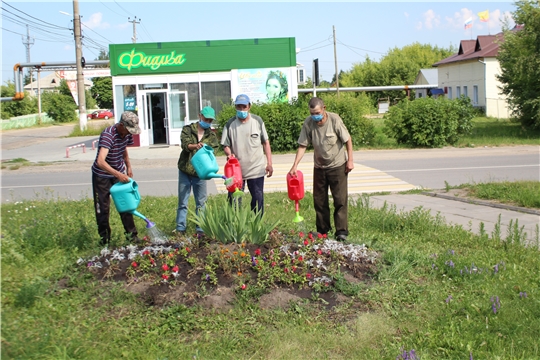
126,198
205,164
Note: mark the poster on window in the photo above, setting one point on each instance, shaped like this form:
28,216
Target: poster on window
264,85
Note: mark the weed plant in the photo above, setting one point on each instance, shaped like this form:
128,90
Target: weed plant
440,291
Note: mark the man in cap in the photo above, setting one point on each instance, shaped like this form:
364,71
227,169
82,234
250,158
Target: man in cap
244,137
111,166
194,137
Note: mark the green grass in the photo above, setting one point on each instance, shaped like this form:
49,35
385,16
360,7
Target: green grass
418,300
486,132
90,130
519,193
17,163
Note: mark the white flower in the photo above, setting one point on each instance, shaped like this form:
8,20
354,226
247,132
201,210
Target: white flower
80,261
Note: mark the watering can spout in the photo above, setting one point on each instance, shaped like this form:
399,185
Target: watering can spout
135,212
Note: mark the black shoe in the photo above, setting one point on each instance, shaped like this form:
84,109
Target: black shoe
341,238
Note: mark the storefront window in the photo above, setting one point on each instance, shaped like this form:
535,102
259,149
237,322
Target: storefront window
126,99
192,90
215,94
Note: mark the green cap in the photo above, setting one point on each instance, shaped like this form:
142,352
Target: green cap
208,113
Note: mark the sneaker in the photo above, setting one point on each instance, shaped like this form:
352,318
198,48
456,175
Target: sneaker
341,237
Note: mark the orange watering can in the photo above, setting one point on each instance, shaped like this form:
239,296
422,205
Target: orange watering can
233,177
295,189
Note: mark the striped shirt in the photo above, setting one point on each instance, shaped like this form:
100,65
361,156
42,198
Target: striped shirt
111,139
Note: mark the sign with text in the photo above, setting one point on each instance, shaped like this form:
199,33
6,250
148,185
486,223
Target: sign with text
72,74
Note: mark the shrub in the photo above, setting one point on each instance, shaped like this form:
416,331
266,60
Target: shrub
59,107
429,122
284,121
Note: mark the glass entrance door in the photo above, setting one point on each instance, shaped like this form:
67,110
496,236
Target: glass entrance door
178,115
156,114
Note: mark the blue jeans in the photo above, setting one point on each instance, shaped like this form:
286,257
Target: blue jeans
256,189
185,183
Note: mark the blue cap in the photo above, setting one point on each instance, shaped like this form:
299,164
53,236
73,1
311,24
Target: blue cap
242,99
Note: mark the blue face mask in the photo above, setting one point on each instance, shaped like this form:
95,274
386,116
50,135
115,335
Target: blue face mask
241,114
317,118
204,124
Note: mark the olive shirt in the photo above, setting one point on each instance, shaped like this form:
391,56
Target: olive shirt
328,141
245,140
190,136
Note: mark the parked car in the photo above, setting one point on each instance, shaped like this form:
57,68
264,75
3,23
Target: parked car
101,114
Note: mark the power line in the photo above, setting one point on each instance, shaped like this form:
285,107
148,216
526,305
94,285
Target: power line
110,42
111,9
42,21
146,31
320,47
376,52
127,12
327,39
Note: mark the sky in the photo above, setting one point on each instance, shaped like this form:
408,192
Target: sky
362,29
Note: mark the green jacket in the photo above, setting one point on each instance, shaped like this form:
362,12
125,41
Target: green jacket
189,136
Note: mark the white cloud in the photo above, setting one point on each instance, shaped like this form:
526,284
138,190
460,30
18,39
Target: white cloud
96,22
406,15
459,18
68,47
431,19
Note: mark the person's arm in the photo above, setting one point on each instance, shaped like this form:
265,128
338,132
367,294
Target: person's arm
103,165
129,170
268,153
299,155
227,150
187,140
350,162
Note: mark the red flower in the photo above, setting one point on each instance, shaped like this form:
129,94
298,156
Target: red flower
286,270
310,236
319,252
244,286
273,263
165,267
146,252
306,242
152,261
175,268
187,249
300,258
301,234
294,268
165,277
319,235
258,252
324,236
134,264
308,275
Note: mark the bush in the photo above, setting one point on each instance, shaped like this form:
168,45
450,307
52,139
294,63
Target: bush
28,105
429,122
59,107
284,121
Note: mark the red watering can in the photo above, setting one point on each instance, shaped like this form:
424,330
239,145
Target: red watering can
295,188
233,177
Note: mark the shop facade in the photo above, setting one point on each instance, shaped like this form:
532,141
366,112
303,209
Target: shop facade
167,84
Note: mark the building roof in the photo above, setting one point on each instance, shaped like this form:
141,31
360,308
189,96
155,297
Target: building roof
431,76
51,81
484,46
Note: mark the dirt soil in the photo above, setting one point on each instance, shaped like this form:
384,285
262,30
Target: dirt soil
192,286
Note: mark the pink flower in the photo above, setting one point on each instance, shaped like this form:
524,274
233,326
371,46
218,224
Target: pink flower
319,252
286,270
273,263
165,267
134,264
244,286
165,277
175,268
258,252
306,242
301,234
308,275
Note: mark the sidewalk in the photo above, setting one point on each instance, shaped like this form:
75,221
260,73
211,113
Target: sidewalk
39,145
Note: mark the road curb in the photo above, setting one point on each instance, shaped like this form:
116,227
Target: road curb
484,203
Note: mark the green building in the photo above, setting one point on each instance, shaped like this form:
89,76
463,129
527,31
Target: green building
167,84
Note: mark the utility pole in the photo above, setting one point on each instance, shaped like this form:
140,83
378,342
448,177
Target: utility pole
135,22
79,60
29,42
335,60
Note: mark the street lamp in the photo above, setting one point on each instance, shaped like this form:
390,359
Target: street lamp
79,63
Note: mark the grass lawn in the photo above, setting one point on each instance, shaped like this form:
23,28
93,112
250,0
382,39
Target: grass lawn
438,292
486,132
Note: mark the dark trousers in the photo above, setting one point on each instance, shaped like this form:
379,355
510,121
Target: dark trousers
256,189
336,180
102,202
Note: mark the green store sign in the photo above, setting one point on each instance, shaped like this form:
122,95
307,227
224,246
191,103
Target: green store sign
134,59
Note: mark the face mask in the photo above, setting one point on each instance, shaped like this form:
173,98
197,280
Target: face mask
204,124
241,114
317,118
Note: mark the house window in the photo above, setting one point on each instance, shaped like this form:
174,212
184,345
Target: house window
465,92
475,95
449,92
458,91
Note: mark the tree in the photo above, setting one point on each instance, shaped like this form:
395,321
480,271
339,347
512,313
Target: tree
102,92
28,105
519,58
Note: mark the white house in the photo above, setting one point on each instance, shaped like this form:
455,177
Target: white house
50,83
473,72
425,77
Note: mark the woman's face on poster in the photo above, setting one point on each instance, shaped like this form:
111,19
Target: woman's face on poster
273,88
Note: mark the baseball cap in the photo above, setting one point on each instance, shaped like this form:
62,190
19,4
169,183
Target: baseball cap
242,99
131,122
208,113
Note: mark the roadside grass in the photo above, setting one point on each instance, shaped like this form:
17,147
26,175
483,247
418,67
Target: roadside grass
518,193
17,163
91,129
440,291
487,131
